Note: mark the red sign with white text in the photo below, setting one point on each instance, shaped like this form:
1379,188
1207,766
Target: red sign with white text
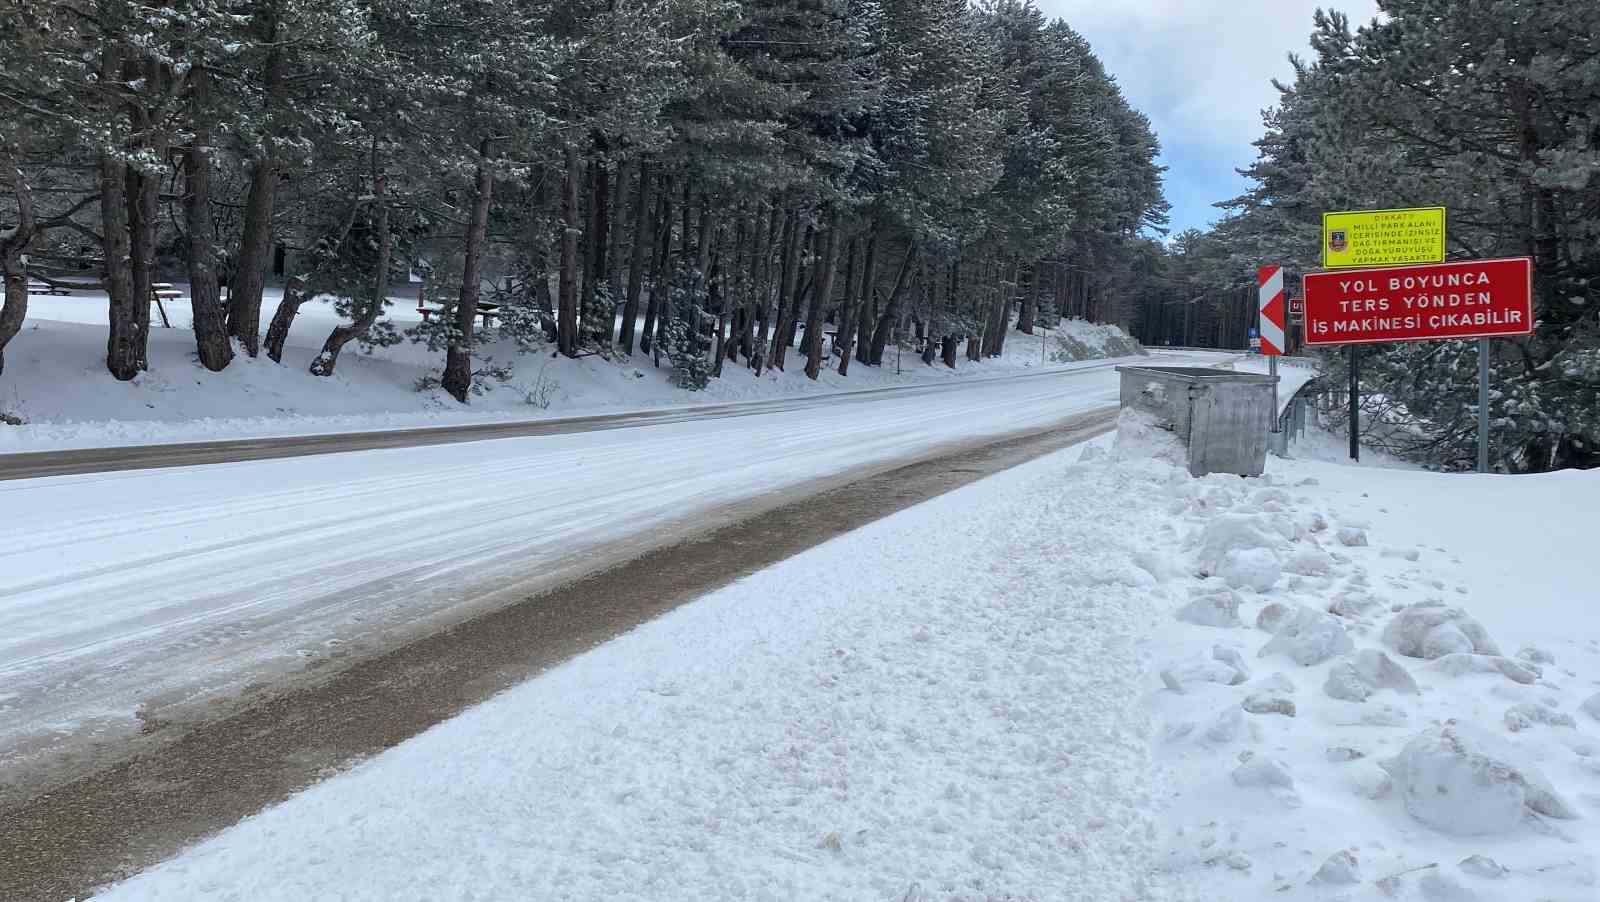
1470,299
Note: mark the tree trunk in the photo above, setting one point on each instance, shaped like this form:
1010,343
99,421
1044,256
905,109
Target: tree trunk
730,314
749,286
891,309
761,289
947,346
764,314
457,378
283,317
867,314
126,335
210,318
538,265
708,225
821,298
655,307
296,289
789,300
1002,309
325,362
12,246
144,213
1030,304
847,317
641,246
618,223
567,313
598,314
255,245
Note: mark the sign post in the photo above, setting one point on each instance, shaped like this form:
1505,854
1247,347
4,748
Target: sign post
1480,299
1273,326
1355,403
1483,405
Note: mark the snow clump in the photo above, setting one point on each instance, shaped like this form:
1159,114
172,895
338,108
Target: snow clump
1251,568
1212,606
1463,664
1591,706
1430,629
1308,637
1341,867
1230,533
1523,716
1140,435
1352,536
1461,781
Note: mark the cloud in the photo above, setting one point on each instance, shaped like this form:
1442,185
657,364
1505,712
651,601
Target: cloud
1202,71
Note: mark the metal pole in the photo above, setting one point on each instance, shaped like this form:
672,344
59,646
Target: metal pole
1272,370
1355,402
1483,405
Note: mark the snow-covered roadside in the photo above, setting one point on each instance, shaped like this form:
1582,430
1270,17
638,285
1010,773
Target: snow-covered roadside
1087,680
1386,688
55,381
944,704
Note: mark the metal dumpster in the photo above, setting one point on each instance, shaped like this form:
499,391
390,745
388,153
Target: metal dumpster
1222,417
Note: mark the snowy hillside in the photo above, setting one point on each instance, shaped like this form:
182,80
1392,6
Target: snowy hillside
1096,680
55,381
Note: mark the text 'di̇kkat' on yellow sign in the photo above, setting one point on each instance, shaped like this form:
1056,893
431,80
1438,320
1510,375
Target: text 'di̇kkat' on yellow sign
1383,237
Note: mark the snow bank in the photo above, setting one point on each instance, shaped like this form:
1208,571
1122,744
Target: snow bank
55,381
1077,339
1399,747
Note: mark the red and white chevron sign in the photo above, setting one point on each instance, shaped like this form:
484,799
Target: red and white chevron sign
1272,310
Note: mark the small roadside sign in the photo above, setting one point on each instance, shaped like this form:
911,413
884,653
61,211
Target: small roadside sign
1270,302
1297,310
1383,237
1470,299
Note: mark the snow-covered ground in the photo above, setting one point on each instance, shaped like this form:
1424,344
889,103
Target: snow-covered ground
1098,680
173,586
55,380
959,719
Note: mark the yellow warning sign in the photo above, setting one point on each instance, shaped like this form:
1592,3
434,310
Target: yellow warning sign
1383,237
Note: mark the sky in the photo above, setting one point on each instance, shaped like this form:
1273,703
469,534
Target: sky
1202,71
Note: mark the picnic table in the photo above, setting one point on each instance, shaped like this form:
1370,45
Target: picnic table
164,291
486,312
44,288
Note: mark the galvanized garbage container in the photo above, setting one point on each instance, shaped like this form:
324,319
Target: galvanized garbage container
1222,417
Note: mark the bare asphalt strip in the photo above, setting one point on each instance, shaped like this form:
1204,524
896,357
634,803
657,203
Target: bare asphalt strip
116,820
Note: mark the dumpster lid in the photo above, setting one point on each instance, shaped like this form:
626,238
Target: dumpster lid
1196,373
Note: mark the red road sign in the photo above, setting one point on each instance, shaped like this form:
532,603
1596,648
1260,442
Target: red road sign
1470,299
1270,280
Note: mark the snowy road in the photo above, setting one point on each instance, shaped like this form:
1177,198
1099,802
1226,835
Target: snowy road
78,461
140,594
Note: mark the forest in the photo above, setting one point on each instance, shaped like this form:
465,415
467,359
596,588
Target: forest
713,183
1489,108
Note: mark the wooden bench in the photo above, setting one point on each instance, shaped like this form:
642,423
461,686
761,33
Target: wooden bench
43,288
